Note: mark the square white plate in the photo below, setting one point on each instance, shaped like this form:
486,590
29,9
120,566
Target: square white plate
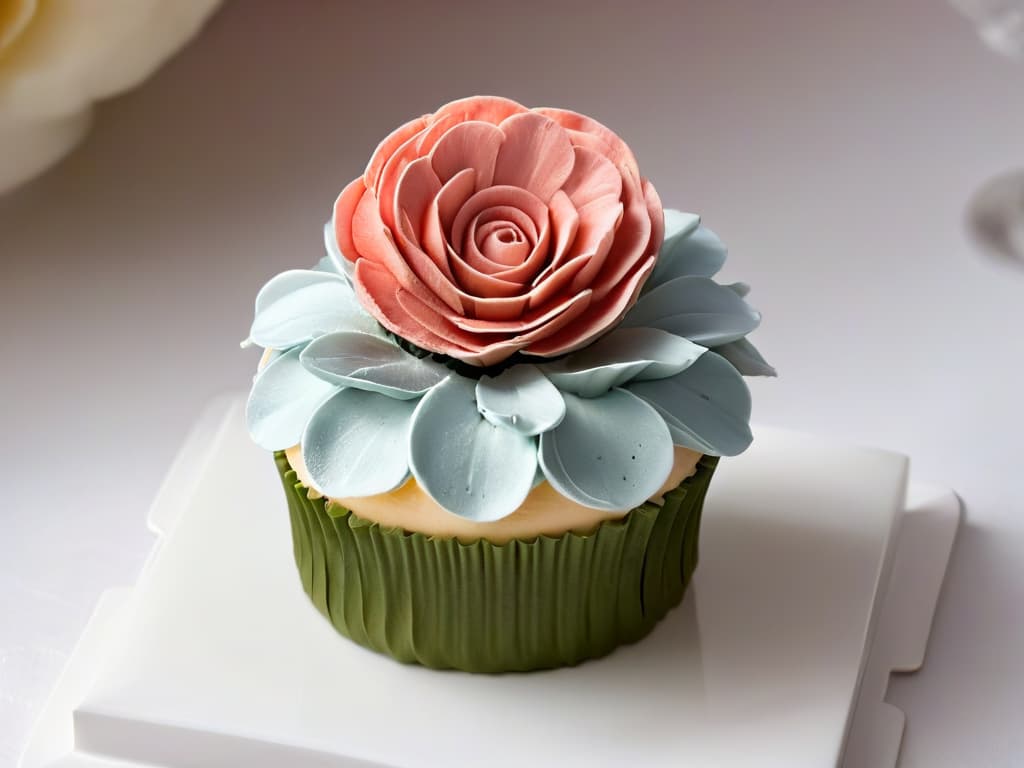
216,657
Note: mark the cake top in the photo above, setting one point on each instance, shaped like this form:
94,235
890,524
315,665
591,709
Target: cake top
504,301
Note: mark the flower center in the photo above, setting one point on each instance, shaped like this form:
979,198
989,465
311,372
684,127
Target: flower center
503,242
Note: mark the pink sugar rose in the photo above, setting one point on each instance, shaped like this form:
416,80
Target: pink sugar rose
488,228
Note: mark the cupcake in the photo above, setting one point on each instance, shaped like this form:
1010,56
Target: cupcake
497,403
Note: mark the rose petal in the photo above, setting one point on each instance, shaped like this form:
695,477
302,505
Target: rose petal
468,145
586,132
477,283
374,242
387,182
524,272
455,340
344,210
520,324
439,282
601,316
387,148
593,176
565,222
631,239
536,155
656,213
488,109
416,190
504,198
600,220
436,227
378,290
556,282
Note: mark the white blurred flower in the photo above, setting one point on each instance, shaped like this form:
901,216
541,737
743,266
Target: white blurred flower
57,57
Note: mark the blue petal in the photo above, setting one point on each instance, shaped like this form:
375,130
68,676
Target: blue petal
520,398
706,407
688,250
623,355
356,444
740,289
745,358
372,363
611,452
300,304
468,465
340,264
695,307
283,398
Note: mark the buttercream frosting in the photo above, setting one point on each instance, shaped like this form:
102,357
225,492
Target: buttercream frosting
544,512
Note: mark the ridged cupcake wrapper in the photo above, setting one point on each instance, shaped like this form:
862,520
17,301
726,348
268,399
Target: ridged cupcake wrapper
484,607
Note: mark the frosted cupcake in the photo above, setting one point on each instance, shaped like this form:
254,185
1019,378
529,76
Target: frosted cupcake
497,402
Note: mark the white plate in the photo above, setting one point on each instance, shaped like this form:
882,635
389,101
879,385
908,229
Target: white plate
218,658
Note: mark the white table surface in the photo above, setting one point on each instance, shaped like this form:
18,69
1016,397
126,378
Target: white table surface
833,145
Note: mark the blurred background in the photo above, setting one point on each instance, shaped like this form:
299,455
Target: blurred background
862,160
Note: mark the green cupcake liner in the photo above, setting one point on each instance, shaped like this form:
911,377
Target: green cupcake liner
484,607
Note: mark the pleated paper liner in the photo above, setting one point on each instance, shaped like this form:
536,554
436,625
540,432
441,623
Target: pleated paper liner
483,607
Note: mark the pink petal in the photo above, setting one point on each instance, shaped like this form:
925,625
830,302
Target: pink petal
526,322
476,283
453,337
506,246
488,109
436,227
344,210
580,304
601,317
437,280
387,148
378,291
565,221
374,243
631,239
556,282
593,176
416,190
427,140
494,197
527,270
468,145
536,155
599,222
387,182
496,309
586,132
499,216
656,214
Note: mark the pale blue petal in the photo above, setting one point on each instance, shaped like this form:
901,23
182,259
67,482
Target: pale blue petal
471,467
284,396
326,264
611,452
373,363
688,250
740,289
745,358
357,444
623,355
520,398
340,264
300,304
695,307
706,406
